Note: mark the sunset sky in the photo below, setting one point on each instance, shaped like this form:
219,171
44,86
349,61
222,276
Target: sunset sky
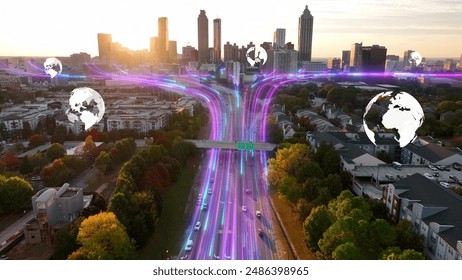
60,28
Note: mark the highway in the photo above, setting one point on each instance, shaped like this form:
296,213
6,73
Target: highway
233,188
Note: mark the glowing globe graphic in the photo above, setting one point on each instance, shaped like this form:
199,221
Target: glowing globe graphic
260,56
396,111
415,58
53,66
86,105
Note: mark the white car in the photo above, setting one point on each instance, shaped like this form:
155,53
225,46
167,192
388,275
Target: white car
432,167
197,226
210,191
258,214
444,184
429,176
244,208
189,245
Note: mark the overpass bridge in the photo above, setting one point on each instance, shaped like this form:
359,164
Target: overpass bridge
241,146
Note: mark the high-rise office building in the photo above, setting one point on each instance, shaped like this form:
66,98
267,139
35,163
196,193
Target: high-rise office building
230,52
105,47
305,35
172,51
282,61
373,58
217,38
279,38
356,56
346,60
162,39
391,63
153,48
77,60
450,65
406,57
334,64
203,37
189,54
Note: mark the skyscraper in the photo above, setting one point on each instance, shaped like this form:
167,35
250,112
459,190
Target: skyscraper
356,56
162,39
203,37
305,35
279,38
230,52
105,47
373,58
153,47
172,50
217,38
346,59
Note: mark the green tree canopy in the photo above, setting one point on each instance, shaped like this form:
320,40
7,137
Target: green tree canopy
103,237
55,151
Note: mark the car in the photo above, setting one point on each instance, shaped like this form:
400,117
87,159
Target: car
260,232
457,166
247,191
205,207
444,184
429,176
446,168
209,191
211,180
454,178
199,197
432,167
258,214
436,174
36,178
440,167
197,226
244,208
189,245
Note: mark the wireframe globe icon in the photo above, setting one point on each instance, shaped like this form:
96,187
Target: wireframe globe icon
260,56
415,58
86,105
53,66
389,111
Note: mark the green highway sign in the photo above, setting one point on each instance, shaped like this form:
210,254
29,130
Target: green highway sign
249,146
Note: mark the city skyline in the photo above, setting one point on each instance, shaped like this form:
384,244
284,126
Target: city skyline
338,24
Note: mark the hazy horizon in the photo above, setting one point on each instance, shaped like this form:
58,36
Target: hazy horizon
432,27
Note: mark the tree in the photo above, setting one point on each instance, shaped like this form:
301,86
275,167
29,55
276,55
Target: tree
384,156
319,220
288,161
347,251
103,237
89,150
55,151
25,166
328,158
57,173
66,240
26,130
36,140
104,162
406,238
395,253
11,161
15,193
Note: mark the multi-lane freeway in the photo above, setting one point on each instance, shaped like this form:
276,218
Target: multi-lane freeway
232,218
